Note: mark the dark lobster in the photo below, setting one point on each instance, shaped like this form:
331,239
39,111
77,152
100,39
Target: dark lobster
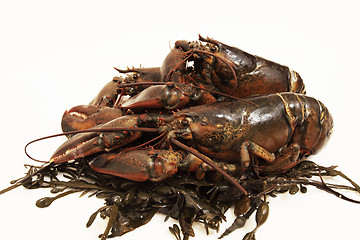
229,69
276,131
216,67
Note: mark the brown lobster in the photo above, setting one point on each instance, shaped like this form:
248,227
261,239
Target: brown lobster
275,131
228,69
216,67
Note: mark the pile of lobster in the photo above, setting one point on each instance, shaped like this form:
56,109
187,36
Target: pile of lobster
208,107
213,127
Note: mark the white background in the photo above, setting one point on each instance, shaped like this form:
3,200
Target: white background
58,54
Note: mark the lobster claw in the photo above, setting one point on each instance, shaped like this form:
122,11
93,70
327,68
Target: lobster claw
88,143
87,116
167,96
139,165
80,145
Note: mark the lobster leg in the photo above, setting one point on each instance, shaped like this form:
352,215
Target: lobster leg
286,159
249,146
194,164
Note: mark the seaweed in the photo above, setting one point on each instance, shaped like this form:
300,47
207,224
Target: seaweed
129,204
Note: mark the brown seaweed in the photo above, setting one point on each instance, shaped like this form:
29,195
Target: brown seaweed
129,204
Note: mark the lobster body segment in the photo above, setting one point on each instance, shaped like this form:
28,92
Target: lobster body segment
275,121
275,130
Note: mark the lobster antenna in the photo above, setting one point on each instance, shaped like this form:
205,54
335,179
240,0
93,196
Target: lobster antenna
209,162
171,72
192,51
161,137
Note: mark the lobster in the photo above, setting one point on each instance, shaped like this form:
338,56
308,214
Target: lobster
217,67
229,69
274,132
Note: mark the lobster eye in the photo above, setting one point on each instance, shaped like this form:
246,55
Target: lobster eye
214,48
186,121
135,76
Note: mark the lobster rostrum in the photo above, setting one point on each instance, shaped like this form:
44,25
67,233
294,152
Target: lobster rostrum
276,131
